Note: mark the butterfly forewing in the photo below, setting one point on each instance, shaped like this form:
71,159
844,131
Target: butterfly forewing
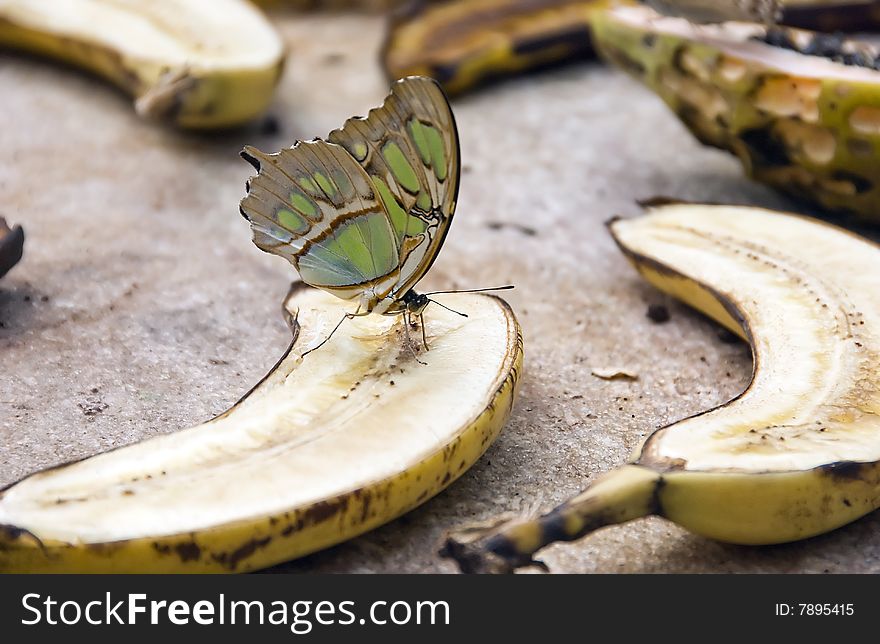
409,148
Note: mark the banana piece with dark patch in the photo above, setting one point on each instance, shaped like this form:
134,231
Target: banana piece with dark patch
466,43
801,110
796,454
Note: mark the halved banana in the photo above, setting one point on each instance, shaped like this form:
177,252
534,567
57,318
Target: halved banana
327,446
196,63
797,453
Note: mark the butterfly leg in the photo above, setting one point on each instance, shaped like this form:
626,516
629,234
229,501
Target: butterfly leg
424,335
347,316
408,339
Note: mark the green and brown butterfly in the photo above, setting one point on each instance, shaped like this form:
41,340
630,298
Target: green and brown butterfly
364,214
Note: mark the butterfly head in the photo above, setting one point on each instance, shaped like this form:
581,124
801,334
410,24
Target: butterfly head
415,302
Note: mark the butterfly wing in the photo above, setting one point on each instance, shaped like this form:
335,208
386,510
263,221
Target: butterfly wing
409,148
314,205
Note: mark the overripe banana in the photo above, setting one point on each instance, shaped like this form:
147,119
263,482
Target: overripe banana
196,63
797,453
801,110
463,43
327,446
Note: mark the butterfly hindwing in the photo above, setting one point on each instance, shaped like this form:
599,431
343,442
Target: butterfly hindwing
316,206
409,148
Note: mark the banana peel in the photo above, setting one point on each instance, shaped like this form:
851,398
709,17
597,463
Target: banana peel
194,63
798,452
832,15
465,43
327,446
801,123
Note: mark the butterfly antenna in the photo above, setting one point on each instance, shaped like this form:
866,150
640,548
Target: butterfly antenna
472,290
464,315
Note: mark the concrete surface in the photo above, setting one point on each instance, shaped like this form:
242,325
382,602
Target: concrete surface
142,307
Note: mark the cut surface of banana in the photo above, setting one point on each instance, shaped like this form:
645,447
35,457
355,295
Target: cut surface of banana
196,63
327,446
798,452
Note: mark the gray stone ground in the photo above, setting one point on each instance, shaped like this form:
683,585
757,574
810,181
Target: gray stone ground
142,307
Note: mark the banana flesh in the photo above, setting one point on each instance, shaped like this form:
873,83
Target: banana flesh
195,63
328,446
795,455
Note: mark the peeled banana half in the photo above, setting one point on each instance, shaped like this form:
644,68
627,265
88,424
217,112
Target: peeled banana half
327,446
796,454
801,110
195,63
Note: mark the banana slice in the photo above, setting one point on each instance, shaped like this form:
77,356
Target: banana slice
196,63
799,109
327,446
797,453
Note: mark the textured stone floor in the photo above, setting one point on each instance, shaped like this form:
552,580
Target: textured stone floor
142,307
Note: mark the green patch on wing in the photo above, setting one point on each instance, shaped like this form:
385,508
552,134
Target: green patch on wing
320,266
366,243
400,167
308,185
424,201
305,205
417,133
359,151
292,221
404,224
438,153
395,211
325,184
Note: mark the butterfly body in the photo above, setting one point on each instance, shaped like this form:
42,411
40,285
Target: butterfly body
711,11
363,214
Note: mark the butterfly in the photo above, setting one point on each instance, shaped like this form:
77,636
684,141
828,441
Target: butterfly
709,11
363,214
